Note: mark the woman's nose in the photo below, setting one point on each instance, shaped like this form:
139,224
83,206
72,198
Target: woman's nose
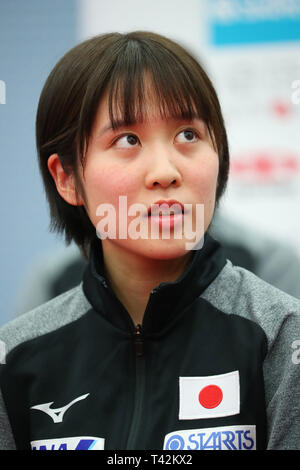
162,172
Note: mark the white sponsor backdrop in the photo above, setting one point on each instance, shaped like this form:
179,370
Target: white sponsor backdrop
253,76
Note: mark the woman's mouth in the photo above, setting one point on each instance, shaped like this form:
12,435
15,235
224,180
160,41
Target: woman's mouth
166,214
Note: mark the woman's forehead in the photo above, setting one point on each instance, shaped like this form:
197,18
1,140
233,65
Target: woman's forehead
115,114
152,113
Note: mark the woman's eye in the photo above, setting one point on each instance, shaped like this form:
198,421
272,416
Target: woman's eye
126,141
187,135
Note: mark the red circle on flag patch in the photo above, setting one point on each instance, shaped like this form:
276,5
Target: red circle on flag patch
210,396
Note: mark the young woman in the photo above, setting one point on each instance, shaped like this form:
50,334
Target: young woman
165,344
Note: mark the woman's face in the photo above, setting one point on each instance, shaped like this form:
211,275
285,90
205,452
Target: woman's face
155,161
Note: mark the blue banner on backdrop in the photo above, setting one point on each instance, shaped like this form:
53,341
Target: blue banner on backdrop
238,22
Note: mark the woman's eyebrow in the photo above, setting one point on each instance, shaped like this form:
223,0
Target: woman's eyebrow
119,124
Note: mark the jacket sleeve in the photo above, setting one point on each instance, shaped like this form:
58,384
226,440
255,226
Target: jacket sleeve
7,441
282,384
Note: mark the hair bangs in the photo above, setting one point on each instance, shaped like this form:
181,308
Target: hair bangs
143,80
145,77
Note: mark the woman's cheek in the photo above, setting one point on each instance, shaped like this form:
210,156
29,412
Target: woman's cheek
204,183
106,188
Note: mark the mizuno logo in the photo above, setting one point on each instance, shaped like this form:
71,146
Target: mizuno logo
57,414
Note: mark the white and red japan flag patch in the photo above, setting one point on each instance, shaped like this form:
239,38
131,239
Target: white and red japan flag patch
212,396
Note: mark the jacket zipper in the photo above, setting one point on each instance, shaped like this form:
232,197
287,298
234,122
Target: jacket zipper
140,379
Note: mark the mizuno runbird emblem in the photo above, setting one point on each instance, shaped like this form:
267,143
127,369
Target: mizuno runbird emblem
57,414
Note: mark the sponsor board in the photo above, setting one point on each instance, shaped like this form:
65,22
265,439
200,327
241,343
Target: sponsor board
239,22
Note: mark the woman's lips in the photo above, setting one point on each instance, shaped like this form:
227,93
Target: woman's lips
165,207
167,220
166,214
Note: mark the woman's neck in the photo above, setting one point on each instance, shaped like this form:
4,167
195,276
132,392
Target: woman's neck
133,277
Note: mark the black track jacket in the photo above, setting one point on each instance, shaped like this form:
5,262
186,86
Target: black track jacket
214,365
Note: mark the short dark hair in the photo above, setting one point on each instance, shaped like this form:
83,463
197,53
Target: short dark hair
116,64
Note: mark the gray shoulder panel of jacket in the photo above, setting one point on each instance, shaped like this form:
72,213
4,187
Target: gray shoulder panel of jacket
7,441
48,317
45,318
237,291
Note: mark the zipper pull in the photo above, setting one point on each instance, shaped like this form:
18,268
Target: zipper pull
139,342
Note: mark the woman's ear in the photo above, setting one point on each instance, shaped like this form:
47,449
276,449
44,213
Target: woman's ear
65,183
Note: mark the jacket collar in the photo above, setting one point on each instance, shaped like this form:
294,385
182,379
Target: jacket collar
166,301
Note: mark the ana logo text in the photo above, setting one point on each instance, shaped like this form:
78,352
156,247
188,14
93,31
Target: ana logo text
69,443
